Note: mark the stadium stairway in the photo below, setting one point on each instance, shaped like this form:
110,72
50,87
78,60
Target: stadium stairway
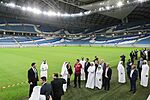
16,41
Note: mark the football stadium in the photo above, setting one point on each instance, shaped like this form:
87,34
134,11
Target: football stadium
74,49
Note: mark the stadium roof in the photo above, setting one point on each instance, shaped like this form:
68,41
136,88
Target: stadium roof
131,12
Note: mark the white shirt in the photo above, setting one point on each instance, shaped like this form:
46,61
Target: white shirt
131,73
43,83
35,71
106,72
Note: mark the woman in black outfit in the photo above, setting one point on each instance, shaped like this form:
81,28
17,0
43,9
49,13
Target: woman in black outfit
69,73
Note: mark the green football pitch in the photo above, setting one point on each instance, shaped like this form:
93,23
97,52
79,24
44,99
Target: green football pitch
15,62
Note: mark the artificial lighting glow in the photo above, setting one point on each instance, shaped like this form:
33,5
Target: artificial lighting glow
119,4
72,15
23,8
79,14
128,2
140,1
11,5
88,12
44,13
139,32
66,15
51,13
101,9
59,14
29,9
36,11
108,7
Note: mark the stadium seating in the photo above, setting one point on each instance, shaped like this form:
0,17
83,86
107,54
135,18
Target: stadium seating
37,41
18,28
144,41
15,25
7,41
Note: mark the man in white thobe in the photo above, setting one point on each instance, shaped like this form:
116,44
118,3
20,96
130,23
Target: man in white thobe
64,73
82,62
98,77
91,76
44,69
144,74
121,73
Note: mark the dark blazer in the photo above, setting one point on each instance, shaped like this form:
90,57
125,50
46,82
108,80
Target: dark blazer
134,75
103,66
69,70
131,55
128,66
123,57
57,86
86,66
148,55
31,76
46,90
138,65
109,73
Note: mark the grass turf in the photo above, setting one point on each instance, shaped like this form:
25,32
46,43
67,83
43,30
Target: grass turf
14,63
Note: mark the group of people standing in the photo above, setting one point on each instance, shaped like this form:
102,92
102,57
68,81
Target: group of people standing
142,70
95,74
48,91
144,53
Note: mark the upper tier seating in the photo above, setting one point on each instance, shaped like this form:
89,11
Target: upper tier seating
17,28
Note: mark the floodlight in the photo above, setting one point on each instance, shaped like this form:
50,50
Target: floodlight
128,2
58,13
81,13
36,11
51,13
100,9
72,15
66,15
29,9
119,4
11,5
45,13
108,7
140,1
88,12
23,8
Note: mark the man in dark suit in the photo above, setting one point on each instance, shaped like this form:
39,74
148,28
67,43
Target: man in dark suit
123,58
32,77
87,64
133,78
132,57
57,86
46,89
96,58
136,54
103,64
129,64
139,66
149,55
107,78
